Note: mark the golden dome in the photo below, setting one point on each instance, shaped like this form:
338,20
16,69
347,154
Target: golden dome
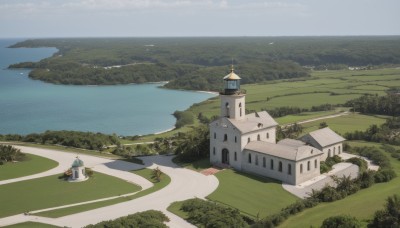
232,75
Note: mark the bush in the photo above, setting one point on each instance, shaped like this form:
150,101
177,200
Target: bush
361,163
341,221
207,214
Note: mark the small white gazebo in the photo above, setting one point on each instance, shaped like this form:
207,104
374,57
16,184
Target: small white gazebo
78,171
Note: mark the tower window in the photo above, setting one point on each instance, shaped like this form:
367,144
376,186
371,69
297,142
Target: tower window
235,139
315,163
240,109
250,158
267,135
215,135
235,156
225,137
301,168
272,164
248,140
280,166
308,166
258,137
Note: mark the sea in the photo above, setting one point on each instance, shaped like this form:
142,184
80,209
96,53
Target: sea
32,106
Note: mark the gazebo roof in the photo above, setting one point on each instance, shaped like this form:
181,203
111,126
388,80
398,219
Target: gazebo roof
77,163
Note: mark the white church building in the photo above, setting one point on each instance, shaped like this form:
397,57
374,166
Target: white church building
248,142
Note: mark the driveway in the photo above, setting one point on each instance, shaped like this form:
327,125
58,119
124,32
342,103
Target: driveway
185,184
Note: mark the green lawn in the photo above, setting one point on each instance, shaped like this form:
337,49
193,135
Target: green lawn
146,173
196,165
31,225
347,123
50,191
252,195
361,205
31,165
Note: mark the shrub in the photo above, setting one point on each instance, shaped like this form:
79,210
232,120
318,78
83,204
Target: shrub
341,221
361,163
388,217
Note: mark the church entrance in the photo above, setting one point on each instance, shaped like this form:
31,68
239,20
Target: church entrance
225,156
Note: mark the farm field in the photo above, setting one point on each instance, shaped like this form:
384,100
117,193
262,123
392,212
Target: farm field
252,195
361,205
31,165
47,192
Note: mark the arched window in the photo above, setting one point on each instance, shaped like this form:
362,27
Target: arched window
258,137
235,139
213,150
249,158
264,163
316,163
308,166
334,150
215,135
280,166
225,137
267,135
339,149
240,109
301,168
227,109
272,164
235,156
289,169
329,153
256,159
248,140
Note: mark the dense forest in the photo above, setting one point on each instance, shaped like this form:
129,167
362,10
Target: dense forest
199,63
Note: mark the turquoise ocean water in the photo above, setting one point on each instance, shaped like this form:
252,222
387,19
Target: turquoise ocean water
29,106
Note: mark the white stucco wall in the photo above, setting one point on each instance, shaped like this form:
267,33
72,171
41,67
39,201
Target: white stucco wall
234,101
333,150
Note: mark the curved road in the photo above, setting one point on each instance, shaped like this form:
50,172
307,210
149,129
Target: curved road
185,184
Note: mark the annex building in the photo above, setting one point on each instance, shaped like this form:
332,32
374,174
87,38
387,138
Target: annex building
248,142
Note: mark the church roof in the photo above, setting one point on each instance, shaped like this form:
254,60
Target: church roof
293,152
325,137
291,142
254,121
77,163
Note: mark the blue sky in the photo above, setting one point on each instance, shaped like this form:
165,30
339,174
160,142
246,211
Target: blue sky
137,18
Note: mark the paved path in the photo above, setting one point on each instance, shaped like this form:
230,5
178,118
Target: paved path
185,184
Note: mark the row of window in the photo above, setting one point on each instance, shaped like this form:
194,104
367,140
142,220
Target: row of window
248,139
334,151
280,169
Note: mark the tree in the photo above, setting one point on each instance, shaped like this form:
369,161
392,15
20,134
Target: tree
388,217
156,174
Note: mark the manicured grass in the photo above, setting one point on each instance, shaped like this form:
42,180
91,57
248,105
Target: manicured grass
196,165
252,195
50,192
31,225
361,205
146,173
31,165
175,208
347,123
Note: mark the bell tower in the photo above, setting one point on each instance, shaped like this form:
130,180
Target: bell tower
232,99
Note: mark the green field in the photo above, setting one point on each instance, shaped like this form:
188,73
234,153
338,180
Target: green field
31,165
252,195
47,192
146,173
347,123
333,87
361,205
